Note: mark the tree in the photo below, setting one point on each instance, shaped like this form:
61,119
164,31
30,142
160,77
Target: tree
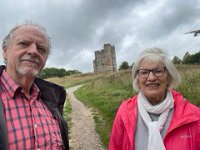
176,60
195,58
55,72
187,58
124,66
70,72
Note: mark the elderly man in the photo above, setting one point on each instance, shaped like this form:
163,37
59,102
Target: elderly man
30,108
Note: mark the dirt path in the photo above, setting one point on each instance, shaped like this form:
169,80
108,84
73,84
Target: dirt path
83,135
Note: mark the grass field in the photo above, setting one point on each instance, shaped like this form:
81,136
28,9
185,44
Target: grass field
105,93
69,81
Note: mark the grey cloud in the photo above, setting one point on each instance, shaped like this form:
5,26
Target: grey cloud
80,27
169,17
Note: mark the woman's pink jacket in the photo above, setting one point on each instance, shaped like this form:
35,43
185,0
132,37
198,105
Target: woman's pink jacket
183,132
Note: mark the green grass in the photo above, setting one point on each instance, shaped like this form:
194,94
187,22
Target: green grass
69,81
106,95
67,113
190,86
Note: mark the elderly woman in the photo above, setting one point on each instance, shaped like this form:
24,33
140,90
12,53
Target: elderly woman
157,118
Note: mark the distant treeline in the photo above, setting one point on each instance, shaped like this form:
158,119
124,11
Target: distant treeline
188,59
55,72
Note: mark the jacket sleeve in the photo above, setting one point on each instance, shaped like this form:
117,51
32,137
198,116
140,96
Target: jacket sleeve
116,136
198,133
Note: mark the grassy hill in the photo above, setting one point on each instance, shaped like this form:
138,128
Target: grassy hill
105,92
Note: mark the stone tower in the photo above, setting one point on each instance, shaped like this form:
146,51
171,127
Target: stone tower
105,60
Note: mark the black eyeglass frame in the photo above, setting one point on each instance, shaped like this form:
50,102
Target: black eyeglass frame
153,71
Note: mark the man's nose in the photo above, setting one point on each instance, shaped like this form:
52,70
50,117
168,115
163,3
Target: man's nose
32,49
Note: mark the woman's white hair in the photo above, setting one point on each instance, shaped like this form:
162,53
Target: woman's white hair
158,56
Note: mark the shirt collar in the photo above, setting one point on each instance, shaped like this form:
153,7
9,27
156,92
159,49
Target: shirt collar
35,92
12,87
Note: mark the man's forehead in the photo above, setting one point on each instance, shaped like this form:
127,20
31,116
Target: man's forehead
29,31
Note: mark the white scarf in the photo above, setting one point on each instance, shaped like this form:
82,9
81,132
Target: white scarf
155,141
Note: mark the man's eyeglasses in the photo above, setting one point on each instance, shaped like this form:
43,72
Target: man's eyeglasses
158,72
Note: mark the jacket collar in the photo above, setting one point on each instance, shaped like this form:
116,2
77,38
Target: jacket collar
2,67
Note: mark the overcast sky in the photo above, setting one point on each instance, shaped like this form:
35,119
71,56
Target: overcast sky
79,27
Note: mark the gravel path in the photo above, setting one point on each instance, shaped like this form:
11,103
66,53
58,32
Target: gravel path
83,135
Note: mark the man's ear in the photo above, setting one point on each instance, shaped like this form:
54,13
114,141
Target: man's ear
5,53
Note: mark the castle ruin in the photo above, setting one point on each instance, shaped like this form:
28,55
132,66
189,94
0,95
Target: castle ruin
105,59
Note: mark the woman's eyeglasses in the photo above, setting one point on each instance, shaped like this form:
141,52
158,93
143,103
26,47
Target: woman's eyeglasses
158,72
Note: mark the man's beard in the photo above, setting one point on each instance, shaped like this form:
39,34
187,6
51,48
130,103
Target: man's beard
30,70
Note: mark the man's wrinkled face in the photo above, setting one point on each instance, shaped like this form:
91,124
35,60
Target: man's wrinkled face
27,52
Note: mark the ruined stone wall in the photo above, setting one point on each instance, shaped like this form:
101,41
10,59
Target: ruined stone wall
105,59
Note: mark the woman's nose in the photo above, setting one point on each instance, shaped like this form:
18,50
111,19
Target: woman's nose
151,76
